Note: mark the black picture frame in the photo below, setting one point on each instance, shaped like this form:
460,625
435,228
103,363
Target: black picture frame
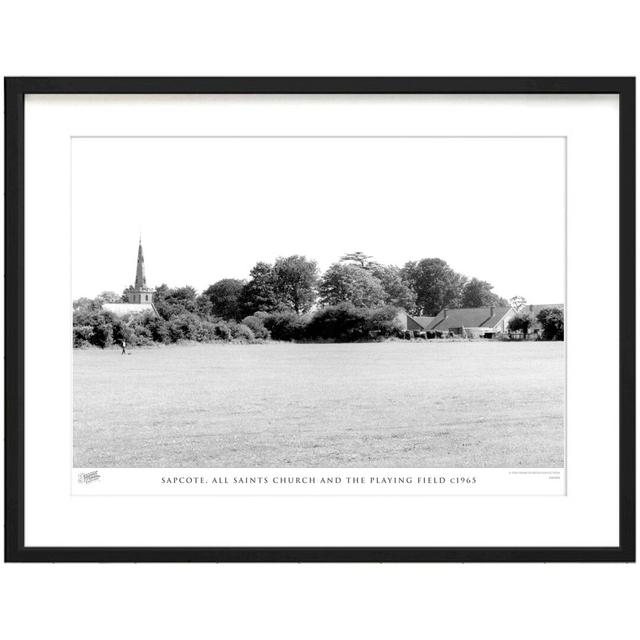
15,91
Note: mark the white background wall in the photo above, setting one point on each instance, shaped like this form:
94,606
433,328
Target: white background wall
321,38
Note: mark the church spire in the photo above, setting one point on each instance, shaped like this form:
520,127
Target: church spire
140,293
141,280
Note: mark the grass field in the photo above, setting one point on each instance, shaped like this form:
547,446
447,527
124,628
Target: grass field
395,404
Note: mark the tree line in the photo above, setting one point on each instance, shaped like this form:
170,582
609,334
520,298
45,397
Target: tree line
550,321
289,299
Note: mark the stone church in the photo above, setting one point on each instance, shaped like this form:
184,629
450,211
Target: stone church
139,297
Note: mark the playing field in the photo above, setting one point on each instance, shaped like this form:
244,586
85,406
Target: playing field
395,404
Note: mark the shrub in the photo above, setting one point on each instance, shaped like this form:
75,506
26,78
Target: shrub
82,335
183,326
189,326
552,323
256,324
521,322
342,322
222,331
139,331
204,331
122,331
142,335
158,329
347,323
242,332
285,325
102,335
100,323
386,320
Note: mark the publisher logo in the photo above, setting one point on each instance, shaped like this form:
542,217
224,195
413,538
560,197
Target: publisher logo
86,478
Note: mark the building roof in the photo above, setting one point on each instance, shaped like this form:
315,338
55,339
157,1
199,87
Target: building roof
423,321
457,318
125,308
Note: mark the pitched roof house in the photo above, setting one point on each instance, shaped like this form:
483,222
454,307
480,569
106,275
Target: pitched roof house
472,322
480,321
415,323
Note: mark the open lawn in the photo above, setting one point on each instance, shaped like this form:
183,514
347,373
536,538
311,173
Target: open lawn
394,404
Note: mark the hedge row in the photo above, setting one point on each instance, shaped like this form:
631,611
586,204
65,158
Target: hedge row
340,323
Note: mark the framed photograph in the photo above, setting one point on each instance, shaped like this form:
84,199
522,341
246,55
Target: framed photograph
320,319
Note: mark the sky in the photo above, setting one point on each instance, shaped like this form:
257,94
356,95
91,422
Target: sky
210,208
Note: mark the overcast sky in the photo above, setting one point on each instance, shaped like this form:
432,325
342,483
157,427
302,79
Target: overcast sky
210,208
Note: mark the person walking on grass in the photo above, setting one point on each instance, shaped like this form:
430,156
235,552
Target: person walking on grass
124,347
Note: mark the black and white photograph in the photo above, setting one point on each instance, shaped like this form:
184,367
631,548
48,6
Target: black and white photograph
320,319
318,302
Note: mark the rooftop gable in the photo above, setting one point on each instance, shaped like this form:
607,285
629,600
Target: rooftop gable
483,317
422,321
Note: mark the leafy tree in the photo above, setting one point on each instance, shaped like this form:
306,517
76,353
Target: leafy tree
521,322
158,329
259,294
141,333
204,308
85,304
351,283
386,321
360,259
159,297
173,302
82,334
397,291
183,297
97,327
436,284
108,296
184,326
225,298
121,330
517,302
295,280
552,323
478,293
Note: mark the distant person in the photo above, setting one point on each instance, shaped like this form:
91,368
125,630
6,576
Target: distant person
124,348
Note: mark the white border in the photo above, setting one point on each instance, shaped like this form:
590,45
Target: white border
587,516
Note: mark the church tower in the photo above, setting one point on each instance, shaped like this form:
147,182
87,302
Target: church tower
140,292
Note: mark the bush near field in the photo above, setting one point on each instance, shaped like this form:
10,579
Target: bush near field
335,323
103,329
347,323
338,323
552,322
